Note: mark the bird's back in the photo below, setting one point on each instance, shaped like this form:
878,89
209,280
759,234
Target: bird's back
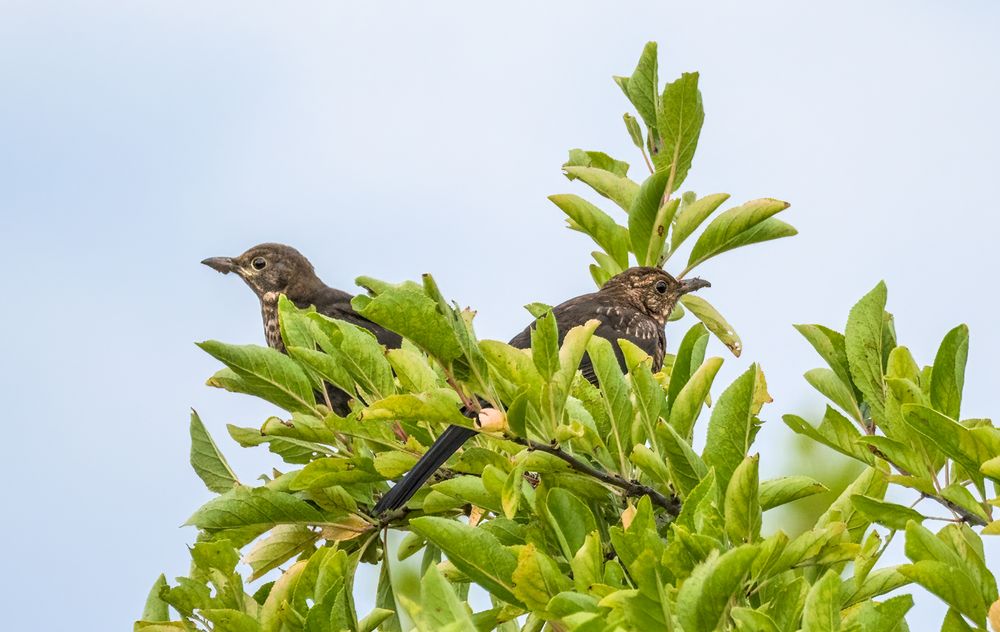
617,320
336,303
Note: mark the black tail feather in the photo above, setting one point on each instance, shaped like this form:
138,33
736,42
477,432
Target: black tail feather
447,444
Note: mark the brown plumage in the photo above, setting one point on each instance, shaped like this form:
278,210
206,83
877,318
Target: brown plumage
633,305
275,269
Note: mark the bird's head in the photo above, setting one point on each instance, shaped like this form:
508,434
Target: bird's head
269,269
652,290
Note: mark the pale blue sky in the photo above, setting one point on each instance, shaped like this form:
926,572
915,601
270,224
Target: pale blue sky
395,138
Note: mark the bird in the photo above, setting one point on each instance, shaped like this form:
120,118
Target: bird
272,269
633,305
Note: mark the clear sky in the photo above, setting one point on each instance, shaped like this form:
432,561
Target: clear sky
395,138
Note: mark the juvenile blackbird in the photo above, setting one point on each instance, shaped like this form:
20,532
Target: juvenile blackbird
633,305
275,269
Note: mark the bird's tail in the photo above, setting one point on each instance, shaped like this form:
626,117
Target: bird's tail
447,444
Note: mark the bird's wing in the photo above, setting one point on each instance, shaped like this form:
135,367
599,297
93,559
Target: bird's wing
339,306
615,322
625,323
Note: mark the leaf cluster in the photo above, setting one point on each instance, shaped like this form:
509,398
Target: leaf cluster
582,506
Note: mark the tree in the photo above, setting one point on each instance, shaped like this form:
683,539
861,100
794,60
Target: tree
580,507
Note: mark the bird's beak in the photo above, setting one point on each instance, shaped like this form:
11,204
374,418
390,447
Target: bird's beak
693,285
225,265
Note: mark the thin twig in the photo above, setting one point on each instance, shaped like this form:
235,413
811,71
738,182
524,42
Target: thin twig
964,514
631,488
649,165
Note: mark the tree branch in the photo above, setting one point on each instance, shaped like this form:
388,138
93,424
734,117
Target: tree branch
966,515
631,488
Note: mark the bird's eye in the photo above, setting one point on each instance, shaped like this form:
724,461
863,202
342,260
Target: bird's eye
661,287
259,263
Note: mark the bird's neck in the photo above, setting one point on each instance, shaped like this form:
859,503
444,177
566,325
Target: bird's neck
269,312
627,297
303,293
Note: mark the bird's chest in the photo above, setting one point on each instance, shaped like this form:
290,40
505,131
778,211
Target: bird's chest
269,312
638,329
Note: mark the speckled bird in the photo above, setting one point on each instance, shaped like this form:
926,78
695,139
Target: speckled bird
275,269
633,305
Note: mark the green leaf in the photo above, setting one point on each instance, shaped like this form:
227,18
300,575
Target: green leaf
473,551
830,385
864,349
537,578
227,620
618,189
385,599
742,503
835,431
358,352
442,609
714,321
650,400
686,467
615,393
267,373
651,464
832,347
690,217
588,219
327,365
991,468
948,375
732,427
412,369
282,544
954,622
410,312
165,626
950,437
780,491
634,132
598,159
392,464
949,583
244,506
643,86
704,596
588,563
330,471
679,117
961,496
690,355
439,406
737,227
276,609
545,345
872,482
513,491
887,514
570,354
692,397
822,611
649,218
207,461
572,520
156,609
377,617
470,490
880,582
748,620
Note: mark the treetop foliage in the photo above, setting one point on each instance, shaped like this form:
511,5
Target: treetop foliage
579,507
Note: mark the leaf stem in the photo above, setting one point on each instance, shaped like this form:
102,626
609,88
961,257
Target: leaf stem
645,157
631,488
